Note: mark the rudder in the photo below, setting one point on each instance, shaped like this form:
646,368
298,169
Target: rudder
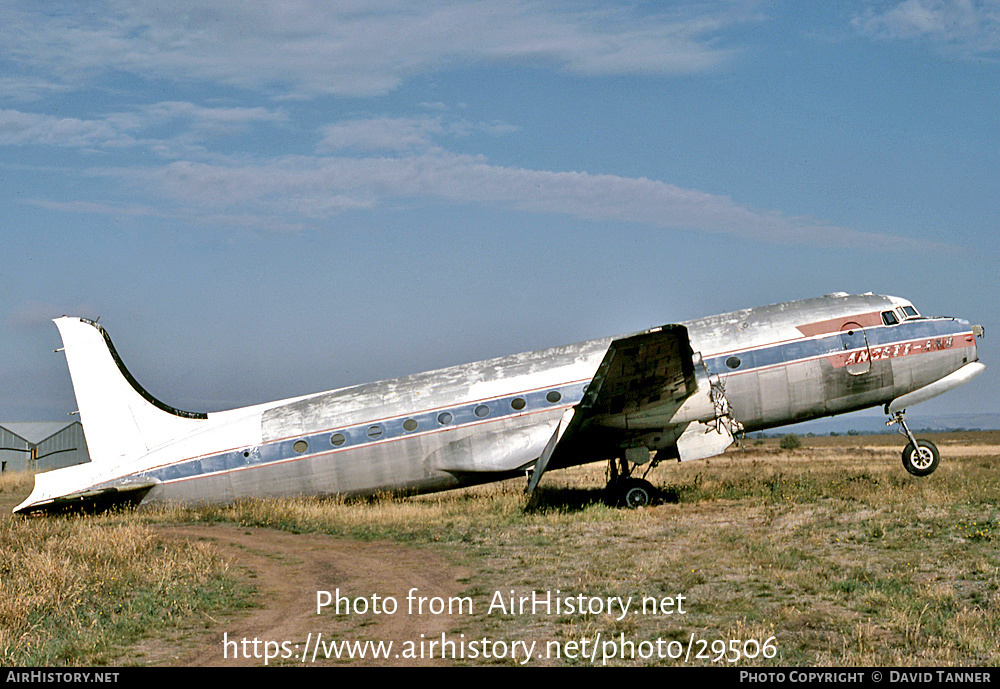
120,418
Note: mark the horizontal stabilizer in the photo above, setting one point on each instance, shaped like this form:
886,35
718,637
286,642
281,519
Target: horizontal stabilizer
126,493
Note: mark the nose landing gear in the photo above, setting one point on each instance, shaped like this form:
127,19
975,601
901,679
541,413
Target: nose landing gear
920,457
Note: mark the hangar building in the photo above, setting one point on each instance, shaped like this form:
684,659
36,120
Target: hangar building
41,446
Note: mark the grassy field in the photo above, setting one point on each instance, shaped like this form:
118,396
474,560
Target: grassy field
832,551
78,591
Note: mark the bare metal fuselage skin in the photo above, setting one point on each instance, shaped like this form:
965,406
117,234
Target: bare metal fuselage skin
469,424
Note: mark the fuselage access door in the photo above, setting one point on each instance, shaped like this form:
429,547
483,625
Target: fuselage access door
855,343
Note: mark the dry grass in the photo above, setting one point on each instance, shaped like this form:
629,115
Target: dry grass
15,483
77,591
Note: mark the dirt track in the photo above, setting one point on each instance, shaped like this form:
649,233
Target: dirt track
288,569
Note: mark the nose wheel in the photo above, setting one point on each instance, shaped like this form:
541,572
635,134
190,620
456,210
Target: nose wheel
920,457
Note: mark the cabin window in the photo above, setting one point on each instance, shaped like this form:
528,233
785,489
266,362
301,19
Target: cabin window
553,396
300,446
889,318
374,432
338,439
482,410
733,362
517,403
410,425
445,418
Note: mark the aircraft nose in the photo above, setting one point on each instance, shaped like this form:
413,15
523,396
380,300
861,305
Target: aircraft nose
977,332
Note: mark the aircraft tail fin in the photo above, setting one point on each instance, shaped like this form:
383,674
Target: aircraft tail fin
120,418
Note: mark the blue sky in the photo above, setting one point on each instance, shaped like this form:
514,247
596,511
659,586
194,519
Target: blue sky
266,199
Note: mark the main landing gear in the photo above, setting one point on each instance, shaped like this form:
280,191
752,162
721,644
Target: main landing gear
626,491
920,457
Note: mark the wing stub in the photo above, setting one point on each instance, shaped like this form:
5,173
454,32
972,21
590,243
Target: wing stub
649,369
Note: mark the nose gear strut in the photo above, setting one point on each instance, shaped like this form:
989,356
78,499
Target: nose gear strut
920,457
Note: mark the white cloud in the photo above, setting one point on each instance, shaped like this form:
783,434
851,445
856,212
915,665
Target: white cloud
29,88
317,187
91,207
362,47
400,133
19,128
121,129
214,120
965,27
381,134
358,48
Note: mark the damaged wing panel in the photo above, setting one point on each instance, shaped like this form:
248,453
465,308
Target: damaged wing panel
654,368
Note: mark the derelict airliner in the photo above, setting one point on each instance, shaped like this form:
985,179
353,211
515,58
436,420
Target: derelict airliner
678,391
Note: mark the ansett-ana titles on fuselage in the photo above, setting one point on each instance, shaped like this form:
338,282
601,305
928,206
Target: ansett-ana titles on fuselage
678,391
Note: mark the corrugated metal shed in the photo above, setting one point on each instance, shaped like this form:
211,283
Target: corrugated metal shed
42,446
15,451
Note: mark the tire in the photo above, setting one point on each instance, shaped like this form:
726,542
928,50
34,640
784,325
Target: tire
922,460
637,493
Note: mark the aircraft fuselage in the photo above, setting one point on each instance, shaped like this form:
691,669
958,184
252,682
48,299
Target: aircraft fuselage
752,369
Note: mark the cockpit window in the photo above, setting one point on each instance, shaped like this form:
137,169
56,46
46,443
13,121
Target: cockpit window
910,312
889,318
